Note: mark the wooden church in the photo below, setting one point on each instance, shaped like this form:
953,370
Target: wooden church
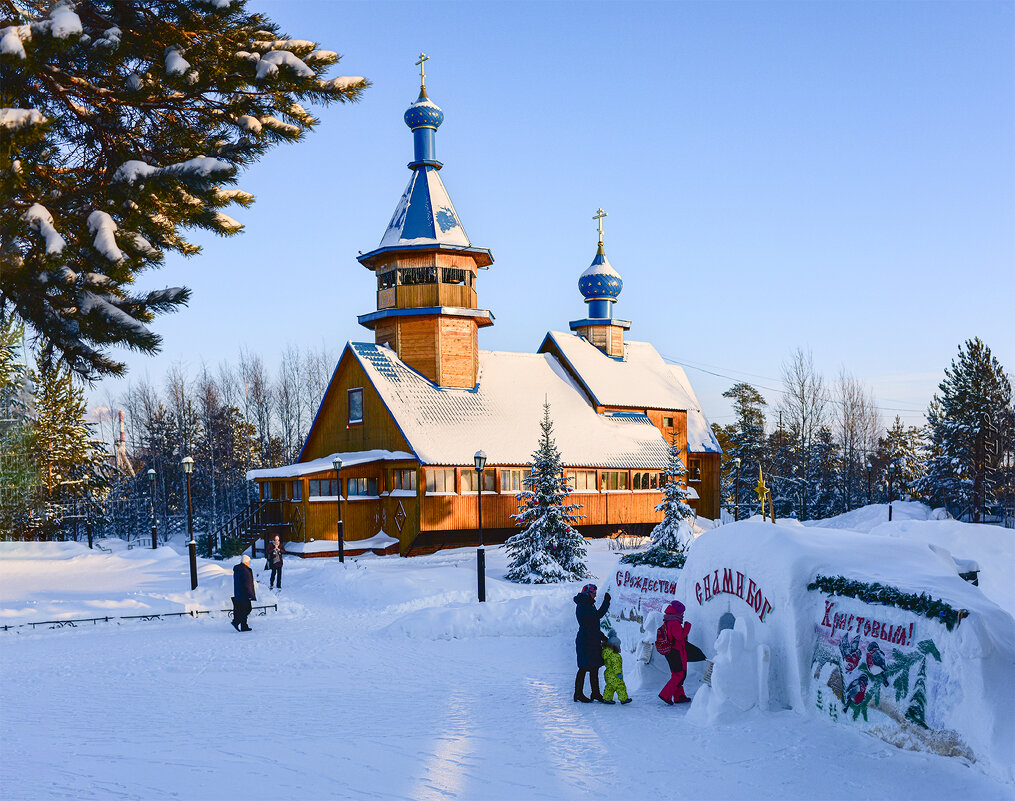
407,412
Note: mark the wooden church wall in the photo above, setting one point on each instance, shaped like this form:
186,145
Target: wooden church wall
333,433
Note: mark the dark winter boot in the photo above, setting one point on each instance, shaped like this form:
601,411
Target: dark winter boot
579,687
626,701
596,694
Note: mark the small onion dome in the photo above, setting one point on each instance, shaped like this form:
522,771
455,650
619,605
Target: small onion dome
424,113
600,280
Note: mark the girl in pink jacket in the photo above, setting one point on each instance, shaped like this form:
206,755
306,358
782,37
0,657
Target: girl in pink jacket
671,642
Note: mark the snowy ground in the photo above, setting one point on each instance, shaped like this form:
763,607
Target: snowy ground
380,680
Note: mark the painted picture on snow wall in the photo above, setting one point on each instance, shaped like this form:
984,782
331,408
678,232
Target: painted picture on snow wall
888,671
636,590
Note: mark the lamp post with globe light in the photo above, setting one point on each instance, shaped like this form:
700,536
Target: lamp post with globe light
151,486
188,467
480,461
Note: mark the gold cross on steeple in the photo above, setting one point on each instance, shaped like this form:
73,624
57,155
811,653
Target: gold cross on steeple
423,58
598,217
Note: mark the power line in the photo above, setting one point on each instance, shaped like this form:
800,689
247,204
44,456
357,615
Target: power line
670,360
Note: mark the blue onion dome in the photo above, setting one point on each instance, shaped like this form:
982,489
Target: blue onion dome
600,280
424,113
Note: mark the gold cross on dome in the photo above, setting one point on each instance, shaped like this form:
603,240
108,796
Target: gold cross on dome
423,58
598,217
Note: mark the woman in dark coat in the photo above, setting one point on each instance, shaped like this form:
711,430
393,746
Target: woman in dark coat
588,645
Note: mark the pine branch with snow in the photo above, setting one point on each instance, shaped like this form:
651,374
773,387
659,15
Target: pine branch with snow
548,549
121,127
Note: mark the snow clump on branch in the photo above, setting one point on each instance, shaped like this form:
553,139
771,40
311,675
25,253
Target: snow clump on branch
39,219
102,225
16,117
270,62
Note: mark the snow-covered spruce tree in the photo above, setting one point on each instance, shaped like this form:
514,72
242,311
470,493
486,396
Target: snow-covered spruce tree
548,549
120,125
672,536
19,477
746,442
968,429
69,461
899,453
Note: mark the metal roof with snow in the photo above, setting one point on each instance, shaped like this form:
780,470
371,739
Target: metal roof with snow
640,380
501,414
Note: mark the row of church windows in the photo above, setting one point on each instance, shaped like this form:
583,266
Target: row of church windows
443,480
414,276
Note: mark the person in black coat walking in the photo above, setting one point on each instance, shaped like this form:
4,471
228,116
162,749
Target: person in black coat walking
243,593
274,556
588,644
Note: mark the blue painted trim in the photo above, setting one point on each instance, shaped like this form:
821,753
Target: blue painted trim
412,165
431,246
625,324
448,311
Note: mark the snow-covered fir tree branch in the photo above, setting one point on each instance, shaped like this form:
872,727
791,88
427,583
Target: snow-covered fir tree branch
120,124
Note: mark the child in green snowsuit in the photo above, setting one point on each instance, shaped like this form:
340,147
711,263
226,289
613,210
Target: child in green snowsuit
614,672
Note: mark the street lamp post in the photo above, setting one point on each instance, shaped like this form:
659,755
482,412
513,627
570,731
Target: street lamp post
736,507
480,460
870,470
151,485
188,468
337,464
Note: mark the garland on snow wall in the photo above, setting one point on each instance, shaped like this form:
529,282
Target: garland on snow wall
922,604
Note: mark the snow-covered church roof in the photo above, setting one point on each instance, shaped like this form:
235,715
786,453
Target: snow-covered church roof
641,380
501,415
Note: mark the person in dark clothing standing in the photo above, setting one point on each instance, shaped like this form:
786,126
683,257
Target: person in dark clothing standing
274,554
588,644
243,593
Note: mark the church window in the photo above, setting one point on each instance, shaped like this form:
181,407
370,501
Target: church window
411,276
297,490
582,480
440,480
656,481
614,481
386,280
470,481
322,488
695,470
356,405
510,480
667,422
403,479
361,486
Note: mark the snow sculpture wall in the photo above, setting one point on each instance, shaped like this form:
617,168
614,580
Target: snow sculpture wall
892,672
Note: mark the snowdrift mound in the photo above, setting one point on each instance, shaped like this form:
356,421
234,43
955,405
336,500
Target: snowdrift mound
545,615
867,517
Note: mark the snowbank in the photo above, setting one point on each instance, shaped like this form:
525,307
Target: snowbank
915,683
45,581
544,615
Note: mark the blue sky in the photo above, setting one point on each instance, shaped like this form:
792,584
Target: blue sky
834,176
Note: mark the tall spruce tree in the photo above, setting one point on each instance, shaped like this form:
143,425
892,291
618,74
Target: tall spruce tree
898,459
968,431
672,536
19,476
746,442
70,462
121,125
548,549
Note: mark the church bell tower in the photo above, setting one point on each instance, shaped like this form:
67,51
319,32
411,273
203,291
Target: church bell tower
601,285
426,267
